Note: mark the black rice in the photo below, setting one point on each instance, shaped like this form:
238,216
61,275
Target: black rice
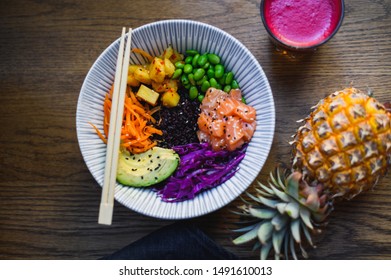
179,124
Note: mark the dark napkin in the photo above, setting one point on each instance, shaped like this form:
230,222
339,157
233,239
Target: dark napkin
179,241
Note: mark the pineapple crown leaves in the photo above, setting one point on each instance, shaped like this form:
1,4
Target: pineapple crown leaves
283,215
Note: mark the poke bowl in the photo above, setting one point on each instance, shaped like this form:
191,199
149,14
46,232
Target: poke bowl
182,36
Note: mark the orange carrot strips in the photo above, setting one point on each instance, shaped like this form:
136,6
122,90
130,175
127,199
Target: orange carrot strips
136,128
143,53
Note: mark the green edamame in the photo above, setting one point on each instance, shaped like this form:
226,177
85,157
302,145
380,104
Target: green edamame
205,85
195,60
191,52
177,73
199,82
193,92
191,79
227,88
206,66
188,68
213,59
222,79
202,60
229,78
179,64
219,71
234,84
184,79
188,60
210,73
213,82
199,73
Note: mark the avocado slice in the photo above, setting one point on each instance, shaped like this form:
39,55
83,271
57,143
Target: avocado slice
146,169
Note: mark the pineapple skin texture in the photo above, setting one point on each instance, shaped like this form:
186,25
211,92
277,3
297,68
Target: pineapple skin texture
344,144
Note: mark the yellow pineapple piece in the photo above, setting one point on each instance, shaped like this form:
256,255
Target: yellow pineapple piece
157,70
170,98
345,143
132,81
148,95
169,67
142,75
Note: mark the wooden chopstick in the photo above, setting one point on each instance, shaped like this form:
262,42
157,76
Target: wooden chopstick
113,139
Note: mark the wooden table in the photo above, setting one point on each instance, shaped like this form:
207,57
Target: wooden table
49,201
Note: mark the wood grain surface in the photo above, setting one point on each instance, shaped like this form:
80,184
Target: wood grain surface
48,199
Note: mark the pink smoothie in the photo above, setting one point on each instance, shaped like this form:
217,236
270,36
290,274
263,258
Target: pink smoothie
302,23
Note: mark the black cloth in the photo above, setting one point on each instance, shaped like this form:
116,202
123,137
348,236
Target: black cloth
179,241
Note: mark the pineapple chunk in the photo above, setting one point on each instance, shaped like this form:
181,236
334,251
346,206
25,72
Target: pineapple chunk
132,68
148,95
142,75
159,87
157,70
168,52
166,85
170,98
176,57
132,81
169,67
171,84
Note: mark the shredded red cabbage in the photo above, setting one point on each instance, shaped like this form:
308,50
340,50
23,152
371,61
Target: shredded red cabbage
200,168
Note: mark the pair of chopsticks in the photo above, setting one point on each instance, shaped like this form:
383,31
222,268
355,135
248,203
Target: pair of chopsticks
113,139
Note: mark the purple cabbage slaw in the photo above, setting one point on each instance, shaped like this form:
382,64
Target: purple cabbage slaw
200,168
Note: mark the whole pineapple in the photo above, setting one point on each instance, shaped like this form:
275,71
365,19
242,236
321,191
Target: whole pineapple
345,143
343,148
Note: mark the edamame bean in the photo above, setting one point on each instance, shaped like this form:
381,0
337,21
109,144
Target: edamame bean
193,92
210,73
184,80
195,60
227,88
204,78
205,85
188,68
244,100
219,71
213,59
199,82
222,79
229,78
187,86
191,52
179,64
202,60
188,60
200,97
234,84
198,74
206,66
176,74
191,79
213,82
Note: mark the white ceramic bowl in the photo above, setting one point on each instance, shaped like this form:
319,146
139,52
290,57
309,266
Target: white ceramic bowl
182,35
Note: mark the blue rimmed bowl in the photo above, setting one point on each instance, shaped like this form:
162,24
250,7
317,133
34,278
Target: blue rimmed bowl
182,35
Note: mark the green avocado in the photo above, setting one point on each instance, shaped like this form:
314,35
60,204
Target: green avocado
148,168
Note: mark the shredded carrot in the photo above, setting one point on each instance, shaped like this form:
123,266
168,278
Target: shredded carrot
143,53
101,136
137,123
